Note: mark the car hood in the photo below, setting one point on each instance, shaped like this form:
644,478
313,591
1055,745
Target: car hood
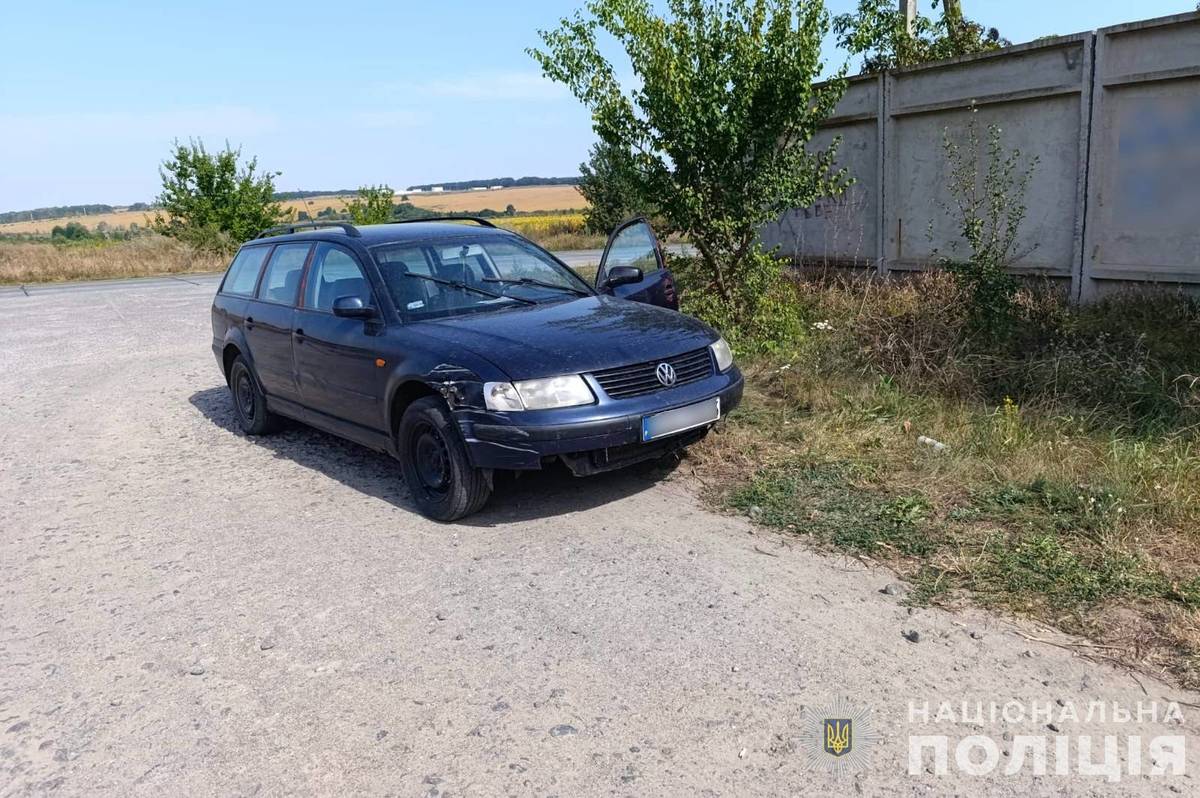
582,335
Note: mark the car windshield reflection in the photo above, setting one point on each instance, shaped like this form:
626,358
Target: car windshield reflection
442,278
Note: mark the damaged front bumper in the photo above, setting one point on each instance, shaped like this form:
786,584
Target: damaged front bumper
591,438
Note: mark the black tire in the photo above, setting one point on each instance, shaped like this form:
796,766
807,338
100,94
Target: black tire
249,404
443,483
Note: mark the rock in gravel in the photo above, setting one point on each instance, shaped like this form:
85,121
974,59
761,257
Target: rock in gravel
442,615
266,644
196,670
895,589
563,729
976,636
912,636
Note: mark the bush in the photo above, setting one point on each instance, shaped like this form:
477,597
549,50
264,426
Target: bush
213,201
988,207
373,205
764,313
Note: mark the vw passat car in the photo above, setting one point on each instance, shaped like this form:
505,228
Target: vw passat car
460,348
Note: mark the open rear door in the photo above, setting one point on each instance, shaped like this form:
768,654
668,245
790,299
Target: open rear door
632,266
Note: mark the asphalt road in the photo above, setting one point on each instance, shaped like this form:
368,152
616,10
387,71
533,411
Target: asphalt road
184,610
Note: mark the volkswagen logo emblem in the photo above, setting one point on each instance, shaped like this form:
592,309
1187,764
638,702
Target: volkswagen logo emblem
666,374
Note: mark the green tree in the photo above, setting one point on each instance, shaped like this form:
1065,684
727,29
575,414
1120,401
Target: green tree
72,231
213,201
608,182
878,32
373,205
726,98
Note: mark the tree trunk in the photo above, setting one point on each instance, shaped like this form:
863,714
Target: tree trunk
715,269
952,13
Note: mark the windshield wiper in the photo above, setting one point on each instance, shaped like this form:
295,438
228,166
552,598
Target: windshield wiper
539,283
464,287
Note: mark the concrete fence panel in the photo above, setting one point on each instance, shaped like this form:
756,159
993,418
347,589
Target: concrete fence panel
841,231
1143,218
1113,118
1038,95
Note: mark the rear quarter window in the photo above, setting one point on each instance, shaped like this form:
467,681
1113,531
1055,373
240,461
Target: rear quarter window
243,272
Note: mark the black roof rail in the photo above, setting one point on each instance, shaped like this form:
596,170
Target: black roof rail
479,220
347,228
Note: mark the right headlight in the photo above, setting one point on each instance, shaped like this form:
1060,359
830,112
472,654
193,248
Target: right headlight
566,391
722,354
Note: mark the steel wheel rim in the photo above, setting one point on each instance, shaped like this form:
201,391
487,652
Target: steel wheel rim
244,395
431,459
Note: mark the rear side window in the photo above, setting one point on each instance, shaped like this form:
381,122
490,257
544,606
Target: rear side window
243,272
281,283
334,273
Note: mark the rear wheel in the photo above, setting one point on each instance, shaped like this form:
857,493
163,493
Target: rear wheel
443,483
249,404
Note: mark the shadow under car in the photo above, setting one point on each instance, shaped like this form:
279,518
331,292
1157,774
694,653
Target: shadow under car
518,496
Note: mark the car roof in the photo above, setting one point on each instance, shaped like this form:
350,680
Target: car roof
374,234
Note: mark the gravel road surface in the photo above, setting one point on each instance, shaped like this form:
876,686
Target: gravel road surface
186,611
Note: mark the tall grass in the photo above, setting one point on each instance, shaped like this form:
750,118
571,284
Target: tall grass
1069,485
26,262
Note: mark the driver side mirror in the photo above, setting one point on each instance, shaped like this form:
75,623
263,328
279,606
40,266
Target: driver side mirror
352,307
622,275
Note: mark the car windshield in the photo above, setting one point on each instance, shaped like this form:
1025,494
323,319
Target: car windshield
450,277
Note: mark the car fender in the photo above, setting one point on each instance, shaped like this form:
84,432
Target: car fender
460,387
237,337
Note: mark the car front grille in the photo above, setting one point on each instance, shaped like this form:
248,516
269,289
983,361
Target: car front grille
642,378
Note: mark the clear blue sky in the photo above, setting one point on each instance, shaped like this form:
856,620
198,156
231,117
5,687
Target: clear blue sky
92,93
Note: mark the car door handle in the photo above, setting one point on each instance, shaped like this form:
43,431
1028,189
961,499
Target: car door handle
299,336
250,322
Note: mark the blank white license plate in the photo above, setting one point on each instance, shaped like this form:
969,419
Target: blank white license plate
681,418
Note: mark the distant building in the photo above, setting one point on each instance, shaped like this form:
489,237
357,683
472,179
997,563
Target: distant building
437,189
493,188
478,188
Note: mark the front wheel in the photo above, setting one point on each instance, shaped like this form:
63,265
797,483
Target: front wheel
443,483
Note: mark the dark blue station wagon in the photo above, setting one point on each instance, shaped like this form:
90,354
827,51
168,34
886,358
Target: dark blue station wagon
464,348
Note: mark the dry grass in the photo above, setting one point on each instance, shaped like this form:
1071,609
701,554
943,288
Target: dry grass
141,257
37,261
1050,505
42,227
524,199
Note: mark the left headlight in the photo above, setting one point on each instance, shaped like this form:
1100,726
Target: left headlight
543,394
722,354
